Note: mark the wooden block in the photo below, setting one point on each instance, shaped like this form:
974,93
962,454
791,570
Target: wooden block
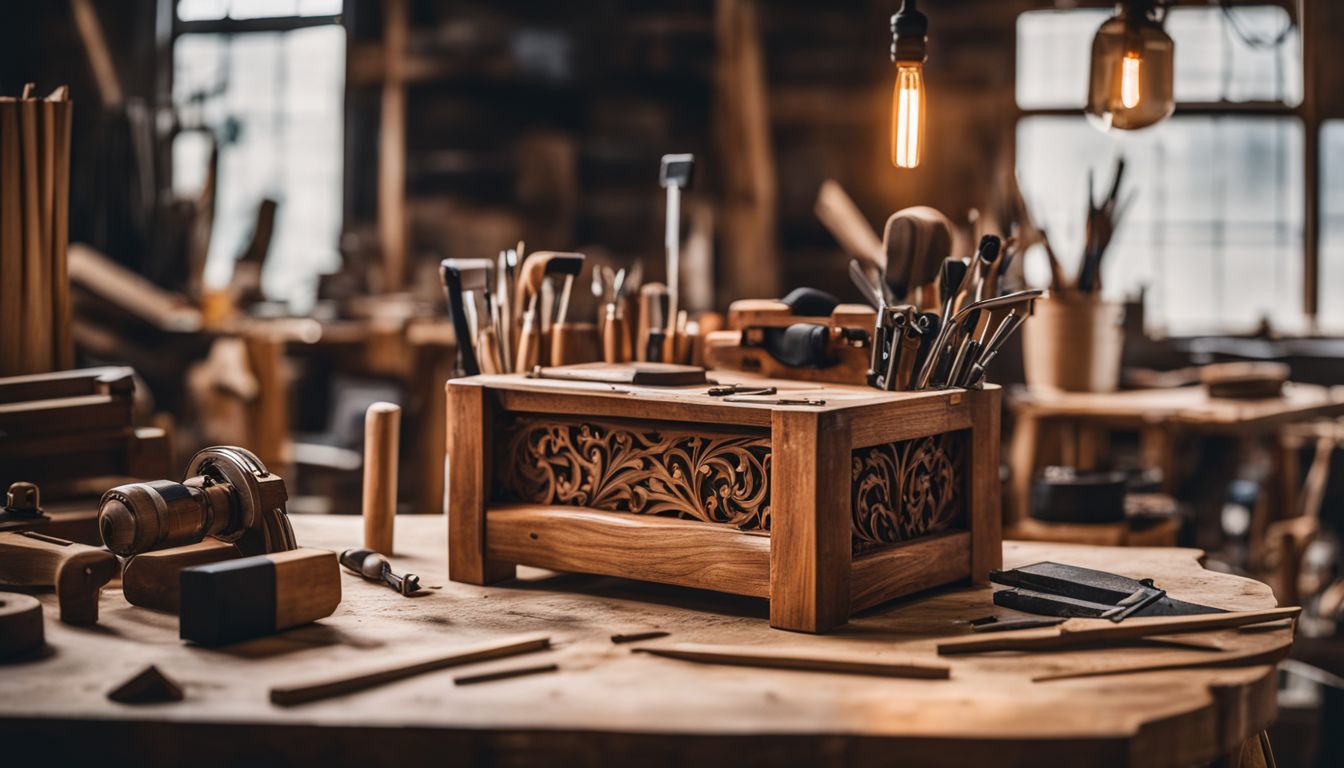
153,579
149,686
254,596
469,436
810,526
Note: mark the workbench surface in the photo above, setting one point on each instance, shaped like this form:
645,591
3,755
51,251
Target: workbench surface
609,706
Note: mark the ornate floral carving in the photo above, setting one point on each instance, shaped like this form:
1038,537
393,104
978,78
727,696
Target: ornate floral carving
900,491
643,469
907,489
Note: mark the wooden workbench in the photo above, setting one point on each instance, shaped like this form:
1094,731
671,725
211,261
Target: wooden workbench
608,706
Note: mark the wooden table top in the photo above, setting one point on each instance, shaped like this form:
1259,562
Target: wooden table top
608,706
1190,405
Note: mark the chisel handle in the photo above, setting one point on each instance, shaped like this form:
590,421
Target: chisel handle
613,335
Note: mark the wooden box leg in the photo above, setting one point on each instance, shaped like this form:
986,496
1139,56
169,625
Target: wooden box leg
469,427
985,502
809,521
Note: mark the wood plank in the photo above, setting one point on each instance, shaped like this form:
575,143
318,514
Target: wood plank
659,549
625,406
810,526
905,569
11,240
89,412
946,412
469,437
984,502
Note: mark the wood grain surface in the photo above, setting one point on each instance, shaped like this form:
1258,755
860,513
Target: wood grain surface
608,705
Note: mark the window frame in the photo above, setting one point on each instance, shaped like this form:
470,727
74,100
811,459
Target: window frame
1306,111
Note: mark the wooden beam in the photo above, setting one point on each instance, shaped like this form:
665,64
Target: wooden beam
392,223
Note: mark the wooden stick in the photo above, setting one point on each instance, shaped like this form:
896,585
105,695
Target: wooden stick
315,690
504,674
740,656
1076,633
638,636
1235,659
382,426
46,210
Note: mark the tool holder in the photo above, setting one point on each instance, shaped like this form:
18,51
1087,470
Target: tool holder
822,509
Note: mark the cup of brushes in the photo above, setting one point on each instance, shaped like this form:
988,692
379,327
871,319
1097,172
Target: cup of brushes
1076,342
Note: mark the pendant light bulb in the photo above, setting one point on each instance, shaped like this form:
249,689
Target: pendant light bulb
1129,79
1132,75
909,37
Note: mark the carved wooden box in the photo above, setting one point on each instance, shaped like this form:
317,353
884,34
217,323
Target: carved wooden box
824,510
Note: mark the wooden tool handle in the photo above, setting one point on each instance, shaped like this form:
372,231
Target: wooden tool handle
529,343
487,351
77,572
613,330
382,427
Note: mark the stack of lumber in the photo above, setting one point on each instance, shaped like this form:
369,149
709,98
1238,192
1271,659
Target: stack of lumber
34,227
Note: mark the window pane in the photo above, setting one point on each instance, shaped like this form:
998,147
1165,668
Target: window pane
1212,62
274,102
204,10
1331,310
1215,228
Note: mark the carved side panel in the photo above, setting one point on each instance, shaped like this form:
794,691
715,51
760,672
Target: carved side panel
643,469
901,491
908,489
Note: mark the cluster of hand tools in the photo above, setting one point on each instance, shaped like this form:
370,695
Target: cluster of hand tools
509,316
940,319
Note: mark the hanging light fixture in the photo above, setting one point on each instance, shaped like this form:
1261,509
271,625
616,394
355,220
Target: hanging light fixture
909,36
1131,85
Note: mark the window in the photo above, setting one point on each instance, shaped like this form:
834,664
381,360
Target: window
272,99
1215,231
1332,224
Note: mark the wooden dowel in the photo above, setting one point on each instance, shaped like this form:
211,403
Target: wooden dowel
504,674
1076,633
289,695
751,657
382,428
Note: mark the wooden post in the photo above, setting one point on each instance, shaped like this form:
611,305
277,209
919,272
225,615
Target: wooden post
469,432
382,429
985,492
810,529
392,148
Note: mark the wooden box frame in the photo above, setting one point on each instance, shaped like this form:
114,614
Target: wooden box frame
804,565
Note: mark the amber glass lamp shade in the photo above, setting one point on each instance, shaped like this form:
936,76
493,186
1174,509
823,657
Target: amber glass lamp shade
1132,76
